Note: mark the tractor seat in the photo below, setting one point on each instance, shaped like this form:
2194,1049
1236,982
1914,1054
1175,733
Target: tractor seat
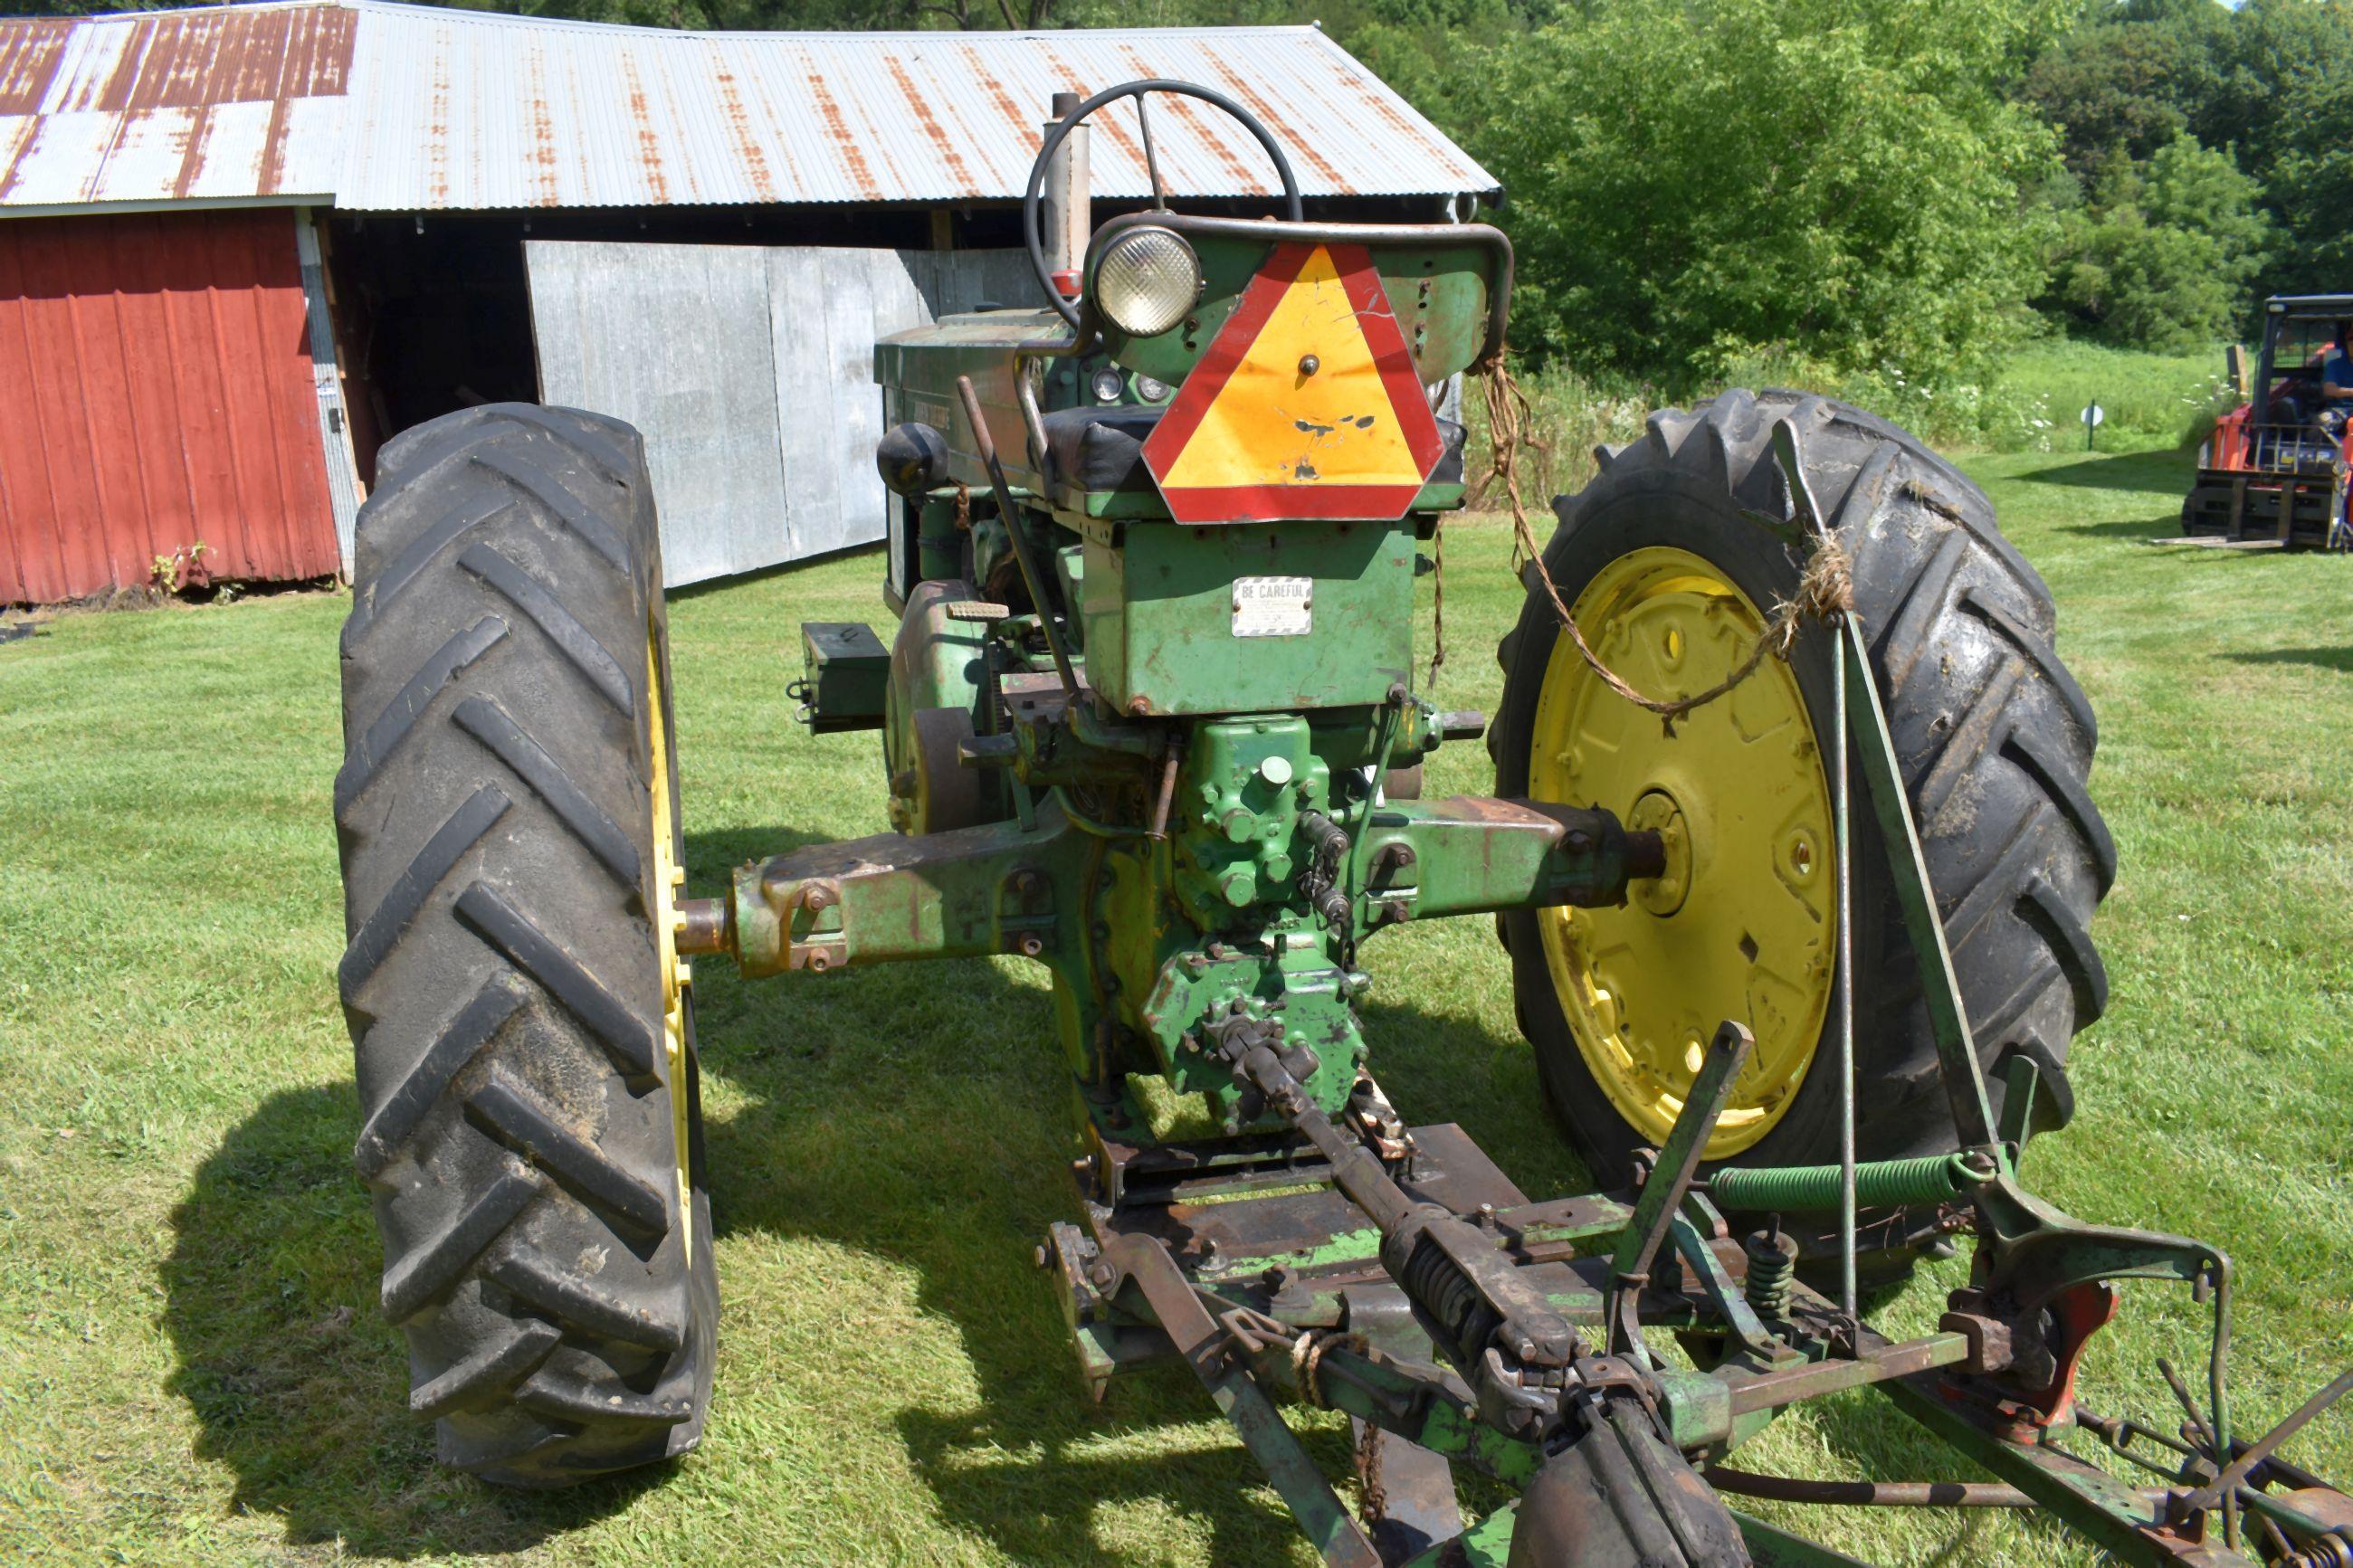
1102,449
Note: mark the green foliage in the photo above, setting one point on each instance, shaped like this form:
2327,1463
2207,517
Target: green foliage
1837,181
2271,83
2307,167
2162,256
2131,79
2032,403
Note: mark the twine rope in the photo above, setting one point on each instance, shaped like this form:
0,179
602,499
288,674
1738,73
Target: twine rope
1825,587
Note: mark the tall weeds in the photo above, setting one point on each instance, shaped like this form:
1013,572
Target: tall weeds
2033,404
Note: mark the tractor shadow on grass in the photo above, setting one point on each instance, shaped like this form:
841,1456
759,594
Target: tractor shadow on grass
914,1118
917,1117
2336,658
2157,473
299,1385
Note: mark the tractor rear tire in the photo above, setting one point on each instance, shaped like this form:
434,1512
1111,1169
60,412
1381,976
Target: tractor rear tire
507,813
1994,737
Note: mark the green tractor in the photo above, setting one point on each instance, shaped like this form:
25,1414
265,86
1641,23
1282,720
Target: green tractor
1150,718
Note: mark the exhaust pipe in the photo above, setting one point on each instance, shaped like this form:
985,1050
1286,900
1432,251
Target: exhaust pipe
1068,200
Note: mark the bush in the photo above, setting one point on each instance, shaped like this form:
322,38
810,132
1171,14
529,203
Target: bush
1835,181
2161,257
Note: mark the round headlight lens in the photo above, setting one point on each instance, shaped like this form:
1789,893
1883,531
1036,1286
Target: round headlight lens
1147,279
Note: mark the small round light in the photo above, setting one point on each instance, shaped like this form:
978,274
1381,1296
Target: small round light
1151,390
1146,281
1107,385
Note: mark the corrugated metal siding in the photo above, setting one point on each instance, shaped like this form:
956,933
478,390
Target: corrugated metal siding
233,103
458,109
159,394
751,372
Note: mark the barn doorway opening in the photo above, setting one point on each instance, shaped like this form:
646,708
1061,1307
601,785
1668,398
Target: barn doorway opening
431,316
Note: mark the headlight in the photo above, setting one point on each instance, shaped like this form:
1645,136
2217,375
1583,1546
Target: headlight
1147,279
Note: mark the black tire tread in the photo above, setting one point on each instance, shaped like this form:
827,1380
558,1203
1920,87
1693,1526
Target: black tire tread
627,1037
501,980
1995,737
535,599
375,746
533,1128
494,727
497,1366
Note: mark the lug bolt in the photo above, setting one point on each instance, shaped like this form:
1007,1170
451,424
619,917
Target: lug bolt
1309,364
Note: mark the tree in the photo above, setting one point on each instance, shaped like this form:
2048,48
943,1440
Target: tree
2161,254
1836,180
2270,82
2131,79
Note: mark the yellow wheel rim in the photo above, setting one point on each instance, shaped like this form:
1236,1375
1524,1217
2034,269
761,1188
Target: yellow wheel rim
669,877
1742,925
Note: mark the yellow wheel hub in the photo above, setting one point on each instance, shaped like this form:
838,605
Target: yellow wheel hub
669,877
1743,924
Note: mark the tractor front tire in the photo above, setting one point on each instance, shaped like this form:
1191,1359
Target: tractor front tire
508,829
1994,737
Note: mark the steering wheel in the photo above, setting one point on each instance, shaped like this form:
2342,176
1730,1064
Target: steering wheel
1032,230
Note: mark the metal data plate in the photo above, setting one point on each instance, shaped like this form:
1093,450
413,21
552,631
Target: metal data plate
1275,607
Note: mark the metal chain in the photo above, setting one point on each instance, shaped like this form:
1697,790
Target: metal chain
1825,587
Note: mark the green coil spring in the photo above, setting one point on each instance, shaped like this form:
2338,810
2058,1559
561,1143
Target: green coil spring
1814,1189
1772,1272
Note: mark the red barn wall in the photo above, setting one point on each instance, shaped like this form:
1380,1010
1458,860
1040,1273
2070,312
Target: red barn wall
155,391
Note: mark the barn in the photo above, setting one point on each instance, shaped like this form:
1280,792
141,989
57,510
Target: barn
240,246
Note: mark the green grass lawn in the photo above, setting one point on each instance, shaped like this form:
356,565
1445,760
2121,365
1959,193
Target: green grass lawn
191,1370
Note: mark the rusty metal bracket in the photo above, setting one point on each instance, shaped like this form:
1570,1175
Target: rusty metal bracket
1670,1178
1207,1350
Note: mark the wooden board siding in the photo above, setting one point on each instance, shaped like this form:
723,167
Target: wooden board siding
156,391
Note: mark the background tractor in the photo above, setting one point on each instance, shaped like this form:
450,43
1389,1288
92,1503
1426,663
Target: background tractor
1150,717
2273,471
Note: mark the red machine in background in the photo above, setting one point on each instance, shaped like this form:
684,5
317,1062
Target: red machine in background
2275,470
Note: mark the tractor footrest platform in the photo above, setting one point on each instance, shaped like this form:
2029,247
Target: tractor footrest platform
1305,1255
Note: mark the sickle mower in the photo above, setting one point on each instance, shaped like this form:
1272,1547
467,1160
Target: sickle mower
1799,967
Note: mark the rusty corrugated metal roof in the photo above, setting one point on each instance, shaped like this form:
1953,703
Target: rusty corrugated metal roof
239,102
466,110
407,108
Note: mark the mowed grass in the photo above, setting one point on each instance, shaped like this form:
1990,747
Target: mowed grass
192,1369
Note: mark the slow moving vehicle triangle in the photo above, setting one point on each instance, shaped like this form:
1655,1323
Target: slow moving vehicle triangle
1306,404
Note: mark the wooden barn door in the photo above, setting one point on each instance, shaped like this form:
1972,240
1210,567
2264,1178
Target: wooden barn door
155,394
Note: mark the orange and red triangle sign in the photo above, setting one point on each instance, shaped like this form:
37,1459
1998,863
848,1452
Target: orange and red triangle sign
1306,404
